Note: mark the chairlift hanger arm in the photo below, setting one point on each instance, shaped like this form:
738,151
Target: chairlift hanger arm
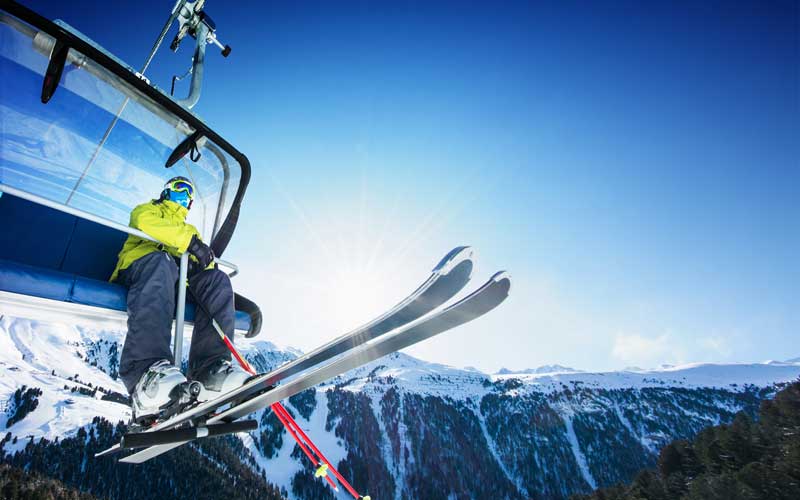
192,20
190,16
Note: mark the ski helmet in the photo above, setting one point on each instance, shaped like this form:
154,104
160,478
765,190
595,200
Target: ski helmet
180,190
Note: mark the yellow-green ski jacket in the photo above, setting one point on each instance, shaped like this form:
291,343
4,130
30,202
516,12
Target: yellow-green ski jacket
164,221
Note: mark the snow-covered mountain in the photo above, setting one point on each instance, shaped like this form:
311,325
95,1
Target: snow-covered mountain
538,371
398,427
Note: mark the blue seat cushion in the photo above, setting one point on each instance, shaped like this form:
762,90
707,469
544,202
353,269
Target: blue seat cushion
99,294
66,287
36,281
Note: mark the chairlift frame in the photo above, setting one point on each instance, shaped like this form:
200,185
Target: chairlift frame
223,229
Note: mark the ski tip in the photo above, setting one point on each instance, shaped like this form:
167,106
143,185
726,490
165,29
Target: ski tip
502,276
454,258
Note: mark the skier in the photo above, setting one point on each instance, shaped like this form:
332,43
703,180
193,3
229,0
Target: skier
150,272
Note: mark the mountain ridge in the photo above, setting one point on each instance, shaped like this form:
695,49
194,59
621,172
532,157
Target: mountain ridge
532,435
538,370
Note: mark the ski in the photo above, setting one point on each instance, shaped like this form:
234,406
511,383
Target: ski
481,301
449,277
180,435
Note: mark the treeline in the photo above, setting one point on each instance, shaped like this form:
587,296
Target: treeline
16,484
746,459
208,468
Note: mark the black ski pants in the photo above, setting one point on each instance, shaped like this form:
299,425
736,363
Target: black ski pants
152,288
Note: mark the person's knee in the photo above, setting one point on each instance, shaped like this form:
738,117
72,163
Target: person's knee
219,278
212,277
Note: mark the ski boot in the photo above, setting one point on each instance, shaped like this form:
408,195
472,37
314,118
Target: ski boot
219,378
162,392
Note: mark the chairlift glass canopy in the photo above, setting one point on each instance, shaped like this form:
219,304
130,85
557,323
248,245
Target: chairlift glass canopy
101,142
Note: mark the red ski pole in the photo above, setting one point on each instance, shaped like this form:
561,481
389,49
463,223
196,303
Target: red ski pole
249,369
336,473
303,446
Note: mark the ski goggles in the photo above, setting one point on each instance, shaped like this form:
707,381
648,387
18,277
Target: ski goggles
181,186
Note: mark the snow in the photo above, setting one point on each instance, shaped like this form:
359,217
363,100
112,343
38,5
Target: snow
427,378
517,480
415,375
50,355
44,355
281,469
580,458
327,442
731,376
538,371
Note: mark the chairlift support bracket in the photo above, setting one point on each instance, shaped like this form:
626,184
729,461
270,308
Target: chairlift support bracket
193,21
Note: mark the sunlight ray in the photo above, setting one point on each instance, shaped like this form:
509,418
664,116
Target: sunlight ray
300,213
293,281
444,212
393,214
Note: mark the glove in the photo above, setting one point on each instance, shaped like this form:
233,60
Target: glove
201,252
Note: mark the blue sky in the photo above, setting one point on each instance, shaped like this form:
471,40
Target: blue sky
636,167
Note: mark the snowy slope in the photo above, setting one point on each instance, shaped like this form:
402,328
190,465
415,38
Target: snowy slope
732,376
52,357
465,388
572,427
538,371
434,379
75,368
